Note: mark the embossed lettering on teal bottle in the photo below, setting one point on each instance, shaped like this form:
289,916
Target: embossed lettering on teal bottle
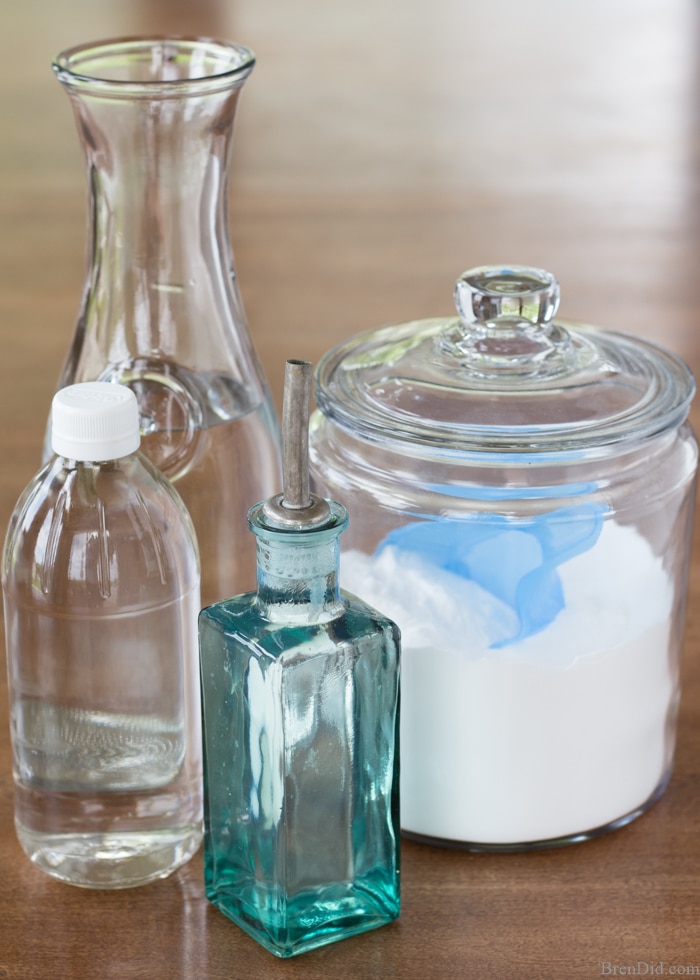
300,685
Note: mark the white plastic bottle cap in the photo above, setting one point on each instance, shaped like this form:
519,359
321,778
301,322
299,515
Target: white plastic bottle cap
95,421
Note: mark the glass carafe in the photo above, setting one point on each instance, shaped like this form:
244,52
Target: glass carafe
161,310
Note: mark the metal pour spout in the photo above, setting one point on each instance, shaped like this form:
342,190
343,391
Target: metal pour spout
296,507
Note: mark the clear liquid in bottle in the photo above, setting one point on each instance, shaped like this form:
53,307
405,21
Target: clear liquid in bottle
101,591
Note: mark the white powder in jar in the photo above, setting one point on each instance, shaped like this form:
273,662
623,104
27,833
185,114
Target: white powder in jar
553,735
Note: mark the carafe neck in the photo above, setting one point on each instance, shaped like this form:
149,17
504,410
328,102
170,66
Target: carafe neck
158,238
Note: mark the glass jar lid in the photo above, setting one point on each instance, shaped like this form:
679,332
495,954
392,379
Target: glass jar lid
503,376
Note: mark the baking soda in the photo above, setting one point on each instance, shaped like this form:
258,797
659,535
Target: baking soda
554,735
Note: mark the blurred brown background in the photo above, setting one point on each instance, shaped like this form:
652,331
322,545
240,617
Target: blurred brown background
382,147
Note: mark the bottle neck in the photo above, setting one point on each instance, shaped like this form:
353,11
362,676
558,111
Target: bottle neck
298,576
298,566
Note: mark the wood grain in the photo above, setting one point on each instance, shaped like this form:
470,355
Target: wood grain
382,148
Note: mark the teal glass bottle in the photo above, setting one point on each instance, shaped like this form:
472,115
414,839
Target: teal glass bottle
300,689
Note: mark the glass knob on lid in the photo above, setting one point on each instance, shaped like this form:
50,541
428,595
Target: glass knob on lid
506,324
502,376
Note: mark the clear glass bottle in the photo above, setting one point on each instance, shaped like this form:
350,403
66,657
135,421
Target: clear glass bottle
300,705
161,310
101,589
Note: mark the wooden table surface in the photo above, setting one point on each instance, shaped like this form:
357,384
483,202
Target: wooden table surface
382,147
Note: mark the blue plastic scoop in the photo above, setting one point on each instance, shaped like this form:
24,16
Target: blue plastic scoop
515,559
